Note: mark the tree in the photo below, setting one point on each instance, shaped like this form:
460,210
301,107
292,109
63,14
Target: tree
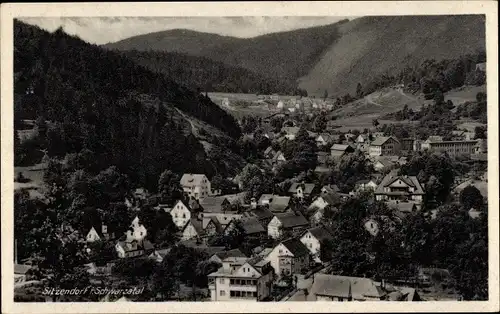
480,132
320,123
359,91
169,187
471,197
375,123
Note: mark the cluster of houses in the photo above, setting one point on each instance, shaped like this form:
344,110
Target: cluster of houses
299,234
289,104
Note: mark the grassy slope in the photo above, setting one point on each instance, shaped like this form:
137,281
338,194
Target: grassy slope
371,46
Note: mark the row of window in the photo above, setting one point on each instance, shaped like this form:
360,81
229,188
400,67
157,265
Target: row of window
242,294
243,282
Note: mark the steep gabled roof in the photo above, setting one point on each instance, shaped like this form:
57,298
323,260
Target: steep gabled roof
382,139
320,233
306,187
262,213
189,179
230,253
295,247
252,225
292,219
213,204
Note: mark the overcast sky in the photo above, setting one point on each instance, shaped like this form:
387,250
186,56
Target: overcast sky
102,30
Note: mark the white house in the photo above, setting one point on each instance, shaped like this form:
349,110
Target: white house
181,214
251,281
196,185
313,238
136,231
287,221
289,257
93,236
290,132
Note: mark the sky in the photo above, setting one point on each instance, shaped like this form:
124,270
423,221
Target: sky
102,30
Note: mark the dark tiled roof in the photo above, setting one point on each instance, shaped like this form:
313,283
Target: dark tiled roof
292,219
230,253
296,247
320,233
213,204
262,212
252,225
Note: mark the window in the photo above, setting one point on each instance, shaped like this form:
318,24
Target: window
222,293
175,215
184,215
231,281
221,280
244,269
141,234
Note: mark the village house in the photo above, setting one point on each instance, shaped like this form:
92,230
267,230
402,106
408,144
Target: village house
278,158
261,212
452,148
181,214
324,139
302,190
93,235
250,224
136,231
134,248
385,145
290,132
269,152
289,257
363,139
292,222
196,186
330,189
276,203
317,208
252,281
399,189
192,230
382,164
344,288
214,204
313,238
406,144
339,150
365,185
21,273
219,257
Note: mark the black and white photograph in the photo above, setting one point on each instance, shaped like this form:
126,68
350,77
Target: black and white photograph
288,158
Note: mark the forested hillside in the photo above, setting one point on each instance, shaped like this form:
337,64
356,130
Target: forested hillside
283,56
85,98
207,75
332,58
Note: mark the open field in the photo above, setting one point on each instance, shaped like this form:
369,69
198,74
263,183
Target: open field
463,94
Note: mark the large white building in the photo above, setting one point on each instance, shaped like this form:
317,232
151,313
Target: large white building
196,185
241,279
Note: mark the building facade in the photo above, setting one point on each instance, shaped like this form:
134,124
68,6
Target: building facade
452,148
